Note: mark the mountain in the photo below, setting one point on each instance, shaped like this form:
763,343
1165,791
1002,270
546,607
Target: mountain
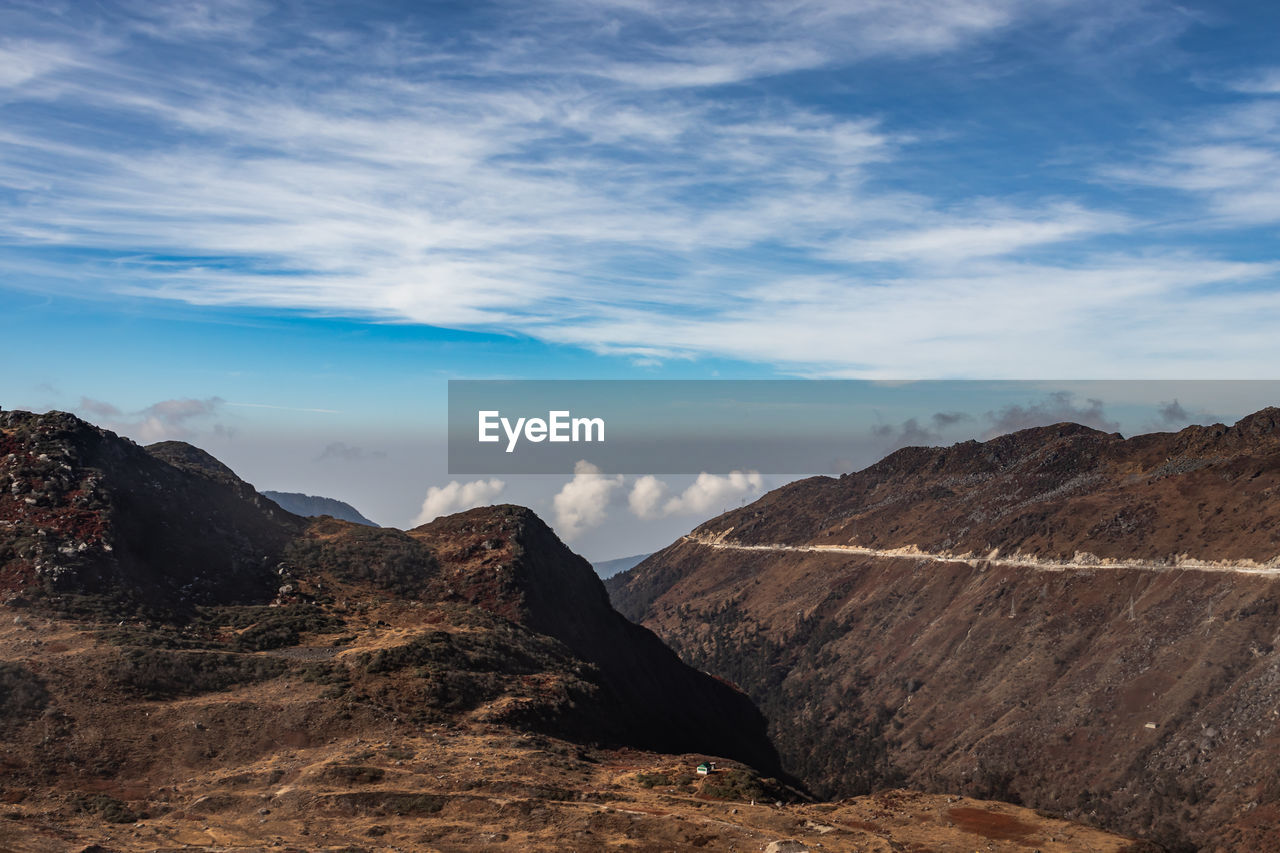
506,560
309,506
88,518
96,526
183,658
1060,617
609,568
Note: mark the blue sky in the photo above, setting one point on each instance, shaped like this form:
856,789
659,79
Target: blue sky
331,208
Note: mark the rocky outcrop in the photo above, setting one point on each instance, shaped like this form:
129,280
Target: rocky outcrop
92,520
506,560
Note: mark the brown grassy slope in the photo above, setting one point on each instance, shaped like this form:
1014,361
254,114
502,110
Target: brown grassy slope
1006,681
294,763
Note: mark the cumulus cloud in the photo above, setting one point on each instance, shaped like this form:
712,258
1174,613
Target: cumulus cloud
647,496
912,432
907,433
942,420
708,493
1173,413
456,496
1056,407
583,503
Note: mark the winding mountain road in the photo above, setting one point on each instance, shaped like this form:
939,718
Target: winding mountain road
1087,562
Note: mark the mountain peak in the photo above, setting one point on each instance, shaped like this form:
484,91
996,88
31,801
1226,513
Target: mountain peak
92,514
192,459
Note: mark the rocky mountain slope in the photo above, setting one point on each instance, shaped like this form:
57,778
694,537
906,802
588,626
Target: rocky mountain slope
1059,617
89,518
183,665
310,506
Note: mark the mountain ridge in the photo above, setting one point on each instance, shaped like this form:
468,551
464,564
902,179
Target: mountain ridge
1016,619
316,505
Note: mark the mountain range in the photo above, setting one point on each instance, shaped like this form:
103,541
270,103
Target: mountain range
186,665
310,506
1058,617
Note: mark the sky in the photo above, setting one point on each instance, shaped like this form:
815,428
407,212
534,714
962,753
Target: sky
276,229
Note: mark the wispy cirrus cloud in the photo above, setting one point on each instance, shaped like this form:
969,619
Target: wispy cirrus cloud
1227,158
1263,81
591,176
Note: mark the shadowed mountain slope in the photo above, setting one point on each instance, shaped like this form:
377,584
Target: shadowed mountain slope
86,513
506,560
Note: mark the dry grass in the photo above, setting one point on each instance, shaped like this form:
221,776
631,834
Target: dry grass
277,765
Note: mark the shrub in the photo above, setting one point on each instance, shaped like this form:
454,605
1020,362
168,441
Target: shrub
22,694
353,774
390,559
735,785
654,780
104,806
163,674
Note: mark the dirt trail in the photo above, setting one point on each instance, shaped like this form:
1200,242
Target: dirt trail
1082,562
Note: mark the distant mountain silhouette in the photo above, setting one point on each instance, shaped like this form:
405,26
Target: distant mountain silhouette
609,568
310,506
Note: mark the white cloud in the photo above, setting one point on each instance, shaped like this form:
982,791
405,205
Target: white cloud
362,175
1265,81
992,233
708,493
647,496
1227,157
168,420
1108,316
456,497
22,61
583,503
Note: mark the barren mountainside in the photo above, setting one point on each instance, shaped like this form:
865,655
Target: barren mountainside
85,513
1207,492
1060,617
184,665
